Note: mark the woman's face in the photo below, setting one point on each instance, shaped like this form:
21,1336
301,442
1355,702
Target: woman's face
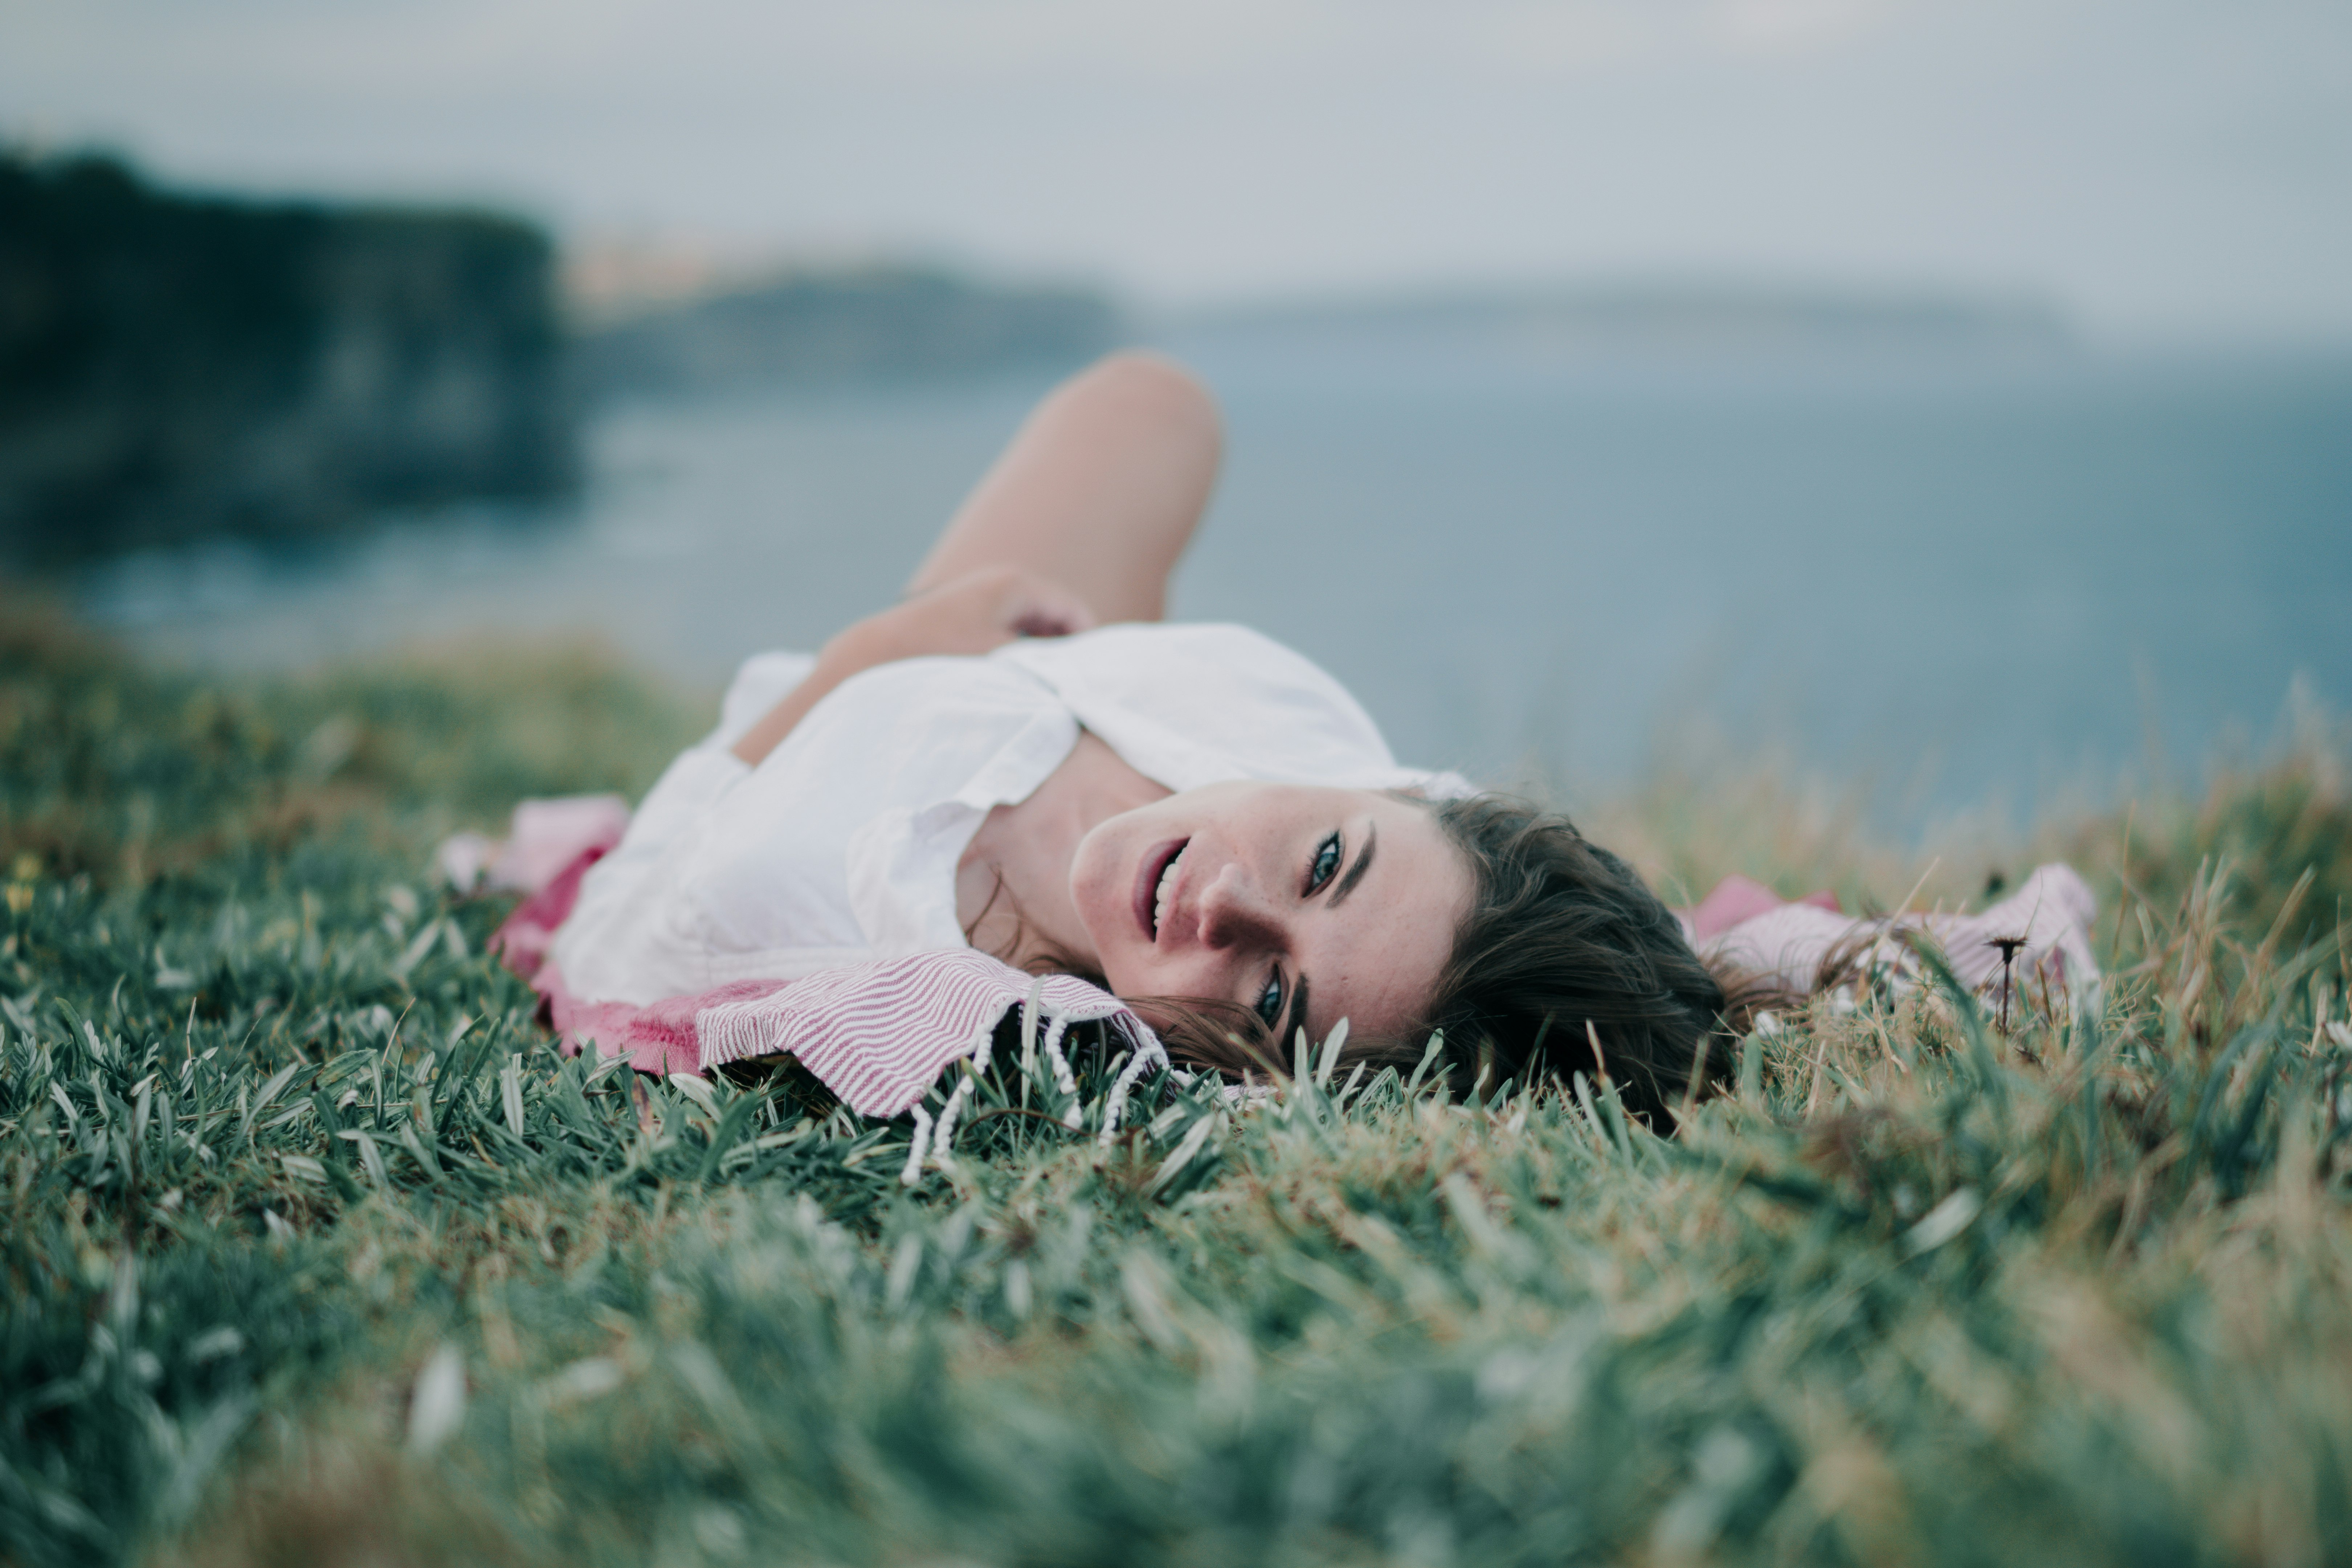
1304,905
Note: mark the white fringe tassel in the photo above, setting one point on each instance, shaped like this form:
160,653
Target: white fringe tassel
914,1170
1149,1053
1064,1079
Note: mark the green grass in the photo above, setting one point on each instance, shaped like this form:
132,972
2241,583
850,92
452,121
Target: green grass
277,1138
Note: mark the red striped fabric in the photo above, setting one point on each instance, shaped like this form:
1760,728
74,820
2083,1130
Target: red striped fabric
878,1035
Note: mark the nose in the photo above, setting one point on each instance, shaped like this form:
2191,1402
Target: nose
1235,912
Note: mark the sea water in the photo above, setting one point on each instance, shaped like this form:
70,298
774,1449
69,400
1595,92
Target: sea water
1967,579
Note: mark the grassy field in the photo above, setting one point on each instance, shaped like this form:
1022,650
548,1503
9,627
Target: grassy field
316,1253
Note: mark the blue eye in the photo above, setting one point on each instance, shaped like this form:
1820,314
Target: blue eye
1269,1001
1327,863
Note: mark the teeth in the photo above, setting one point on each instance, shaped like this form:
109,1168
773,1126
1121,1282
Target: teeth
1160,896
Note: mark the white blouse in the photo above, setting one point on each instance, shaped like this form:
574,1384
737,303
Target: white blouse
841,846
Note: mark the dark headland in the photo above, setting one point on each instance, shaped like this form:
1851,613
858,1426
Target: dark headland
176,366
173,366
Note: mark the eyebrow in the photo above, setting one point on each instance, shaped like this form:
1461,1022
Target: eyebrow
1297,1018
1356,872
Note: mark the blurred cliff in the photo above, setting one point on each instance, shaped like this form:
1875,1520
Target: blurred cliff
864,322
173,367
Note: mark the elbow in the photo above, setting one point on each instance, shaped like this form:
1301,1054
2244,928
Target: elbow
1152,389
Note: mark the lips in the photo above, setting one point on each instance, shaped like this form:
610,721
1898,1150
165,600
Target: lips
1147,885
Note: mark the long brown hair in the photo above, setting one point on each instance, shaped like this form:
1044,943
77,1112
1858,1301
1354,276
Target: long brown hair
1569,962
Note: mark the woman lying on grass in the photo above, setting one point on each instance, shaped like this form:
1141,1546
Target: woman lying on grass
1020,758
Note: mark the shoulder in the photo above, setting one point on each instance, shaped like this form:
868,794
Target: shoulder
1192,667
1147,654
1193,703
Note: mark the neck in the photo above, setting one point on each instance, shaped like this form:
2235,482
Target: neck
1013,885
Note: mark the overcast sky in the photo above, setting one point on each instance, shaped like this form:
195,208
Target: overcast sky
2163,166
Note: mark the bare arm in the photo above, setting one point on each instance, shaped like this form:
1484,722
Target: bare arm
972,614
1099,492
1078,522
